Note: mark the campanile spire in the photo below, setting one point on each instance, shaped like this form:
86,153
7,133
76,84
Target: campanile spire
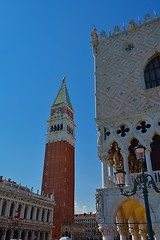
58,172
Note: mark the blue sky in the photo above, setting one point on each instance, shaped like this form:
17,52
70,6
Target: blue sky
40,42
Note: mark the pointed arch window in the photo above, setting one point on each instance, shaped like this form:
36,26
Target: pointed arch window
152,73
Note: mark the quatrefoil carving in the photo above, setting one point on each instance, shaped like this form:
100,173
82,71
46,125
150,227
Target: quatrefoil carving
143,126
122,130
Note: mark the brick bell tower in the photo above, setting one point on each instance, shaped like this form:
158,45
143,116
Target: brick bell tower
58,172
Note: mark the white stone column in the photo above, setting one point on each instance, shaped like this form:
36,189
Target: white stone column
108,231
143,234
148,161
8,208
123,232
50,216
28,212
4,235
45,215
126,167
1,203
40,214
135,233
110,168
108,234
104,173
49,236
22,211
156,229
34,213
32,235
38,236
26,235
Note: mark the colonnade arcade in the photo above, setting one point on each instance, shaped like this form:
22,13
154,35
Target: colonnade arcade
7,234
37,221
131,221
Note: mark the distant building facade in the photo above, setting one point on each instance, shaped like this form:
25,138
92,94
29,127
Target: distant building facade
89,221
35,213
127,94
58,172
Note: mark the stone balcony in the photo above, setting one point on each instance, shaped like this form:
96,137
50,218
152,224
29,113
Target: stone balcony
111,181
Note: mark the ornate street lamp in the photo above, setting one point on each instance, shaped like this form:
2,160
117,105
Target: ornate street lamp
15,223
142,181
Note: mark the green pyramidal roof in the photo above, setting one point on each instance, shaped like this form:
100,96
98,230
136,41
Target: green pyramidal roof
63,96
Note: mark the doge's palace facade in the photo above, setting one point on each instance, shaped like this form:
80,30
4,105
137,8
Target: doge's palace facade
127,95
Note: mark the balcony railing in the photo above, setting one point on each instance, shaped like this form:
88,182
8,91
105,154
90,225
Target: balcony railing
111,181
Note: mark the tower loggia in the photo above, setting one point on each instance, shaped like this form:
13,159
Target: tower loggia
58,172
127,95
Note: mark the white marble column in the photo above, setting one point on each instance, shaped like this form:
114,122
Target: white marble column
50,216
40,214
22,211
143,234
4,235
126,166
26,235
8,208
104,173
156,229
1,203
108,234
148,161
135,233
28,212
110,168
108,231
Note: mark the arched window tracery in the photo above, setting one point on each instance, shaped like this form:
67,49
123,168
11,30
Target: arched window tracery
152,73
155,153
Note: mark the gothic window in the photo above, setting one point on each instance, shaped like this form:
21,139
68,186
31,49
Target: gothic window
155,153
152,73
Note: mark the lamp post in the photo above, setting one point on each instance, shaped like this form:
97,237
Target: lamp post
143,181
15,222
